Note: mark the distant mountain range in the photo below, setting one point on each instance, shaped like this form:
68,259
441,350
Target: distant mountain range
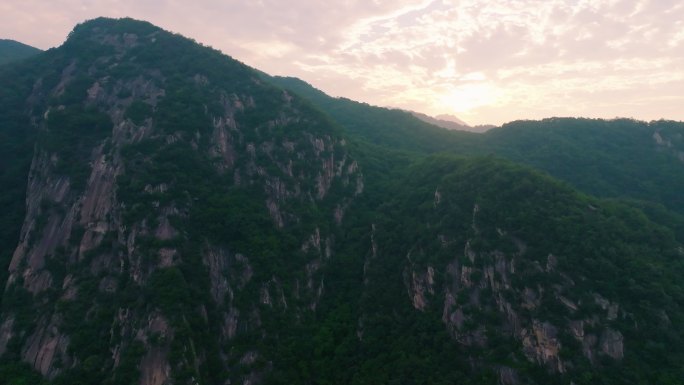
173,216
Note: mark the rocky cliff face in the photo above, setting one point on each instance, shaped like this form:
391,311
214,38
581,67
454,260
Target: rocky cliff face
120,222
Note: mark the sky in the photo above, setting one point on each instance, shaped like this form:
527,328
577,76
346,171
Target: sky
485,61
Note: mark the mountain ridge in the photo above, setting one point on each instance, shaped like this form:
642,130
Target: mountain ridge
592,161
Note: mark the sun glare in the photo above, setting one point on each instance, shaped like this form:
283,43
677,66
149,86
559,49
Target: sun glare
467,97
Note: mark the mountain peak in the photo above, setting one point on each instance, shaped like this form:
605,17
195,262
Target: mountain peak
106,25
120,33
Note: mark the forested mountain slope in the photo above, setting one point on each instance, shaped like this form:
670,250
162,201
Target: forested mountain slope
174,218
615,158
521,268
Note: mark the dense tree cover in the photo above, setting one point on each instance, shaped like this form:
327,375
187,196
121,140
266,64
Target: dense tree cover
11,50
365,328
640,269
617,158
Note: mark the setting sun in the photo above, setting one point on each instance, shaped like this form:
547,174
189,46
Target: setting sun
465,98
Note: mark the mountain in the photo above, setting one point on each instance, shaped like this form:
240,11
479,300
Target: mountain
173,216
11,50
170,197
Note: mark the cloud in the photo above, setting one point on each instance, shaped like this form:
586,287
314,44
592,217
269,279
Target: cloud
488,61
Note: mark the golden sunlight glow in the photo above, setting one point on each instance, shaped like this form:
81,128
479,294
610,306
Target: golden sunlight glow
466,97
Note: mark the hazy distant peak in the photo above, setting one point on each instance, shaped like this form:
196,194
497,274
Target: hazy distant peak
450,122
451,118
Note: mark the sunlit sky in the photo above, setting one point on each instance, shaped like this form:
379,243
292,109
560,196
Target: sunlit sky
485,61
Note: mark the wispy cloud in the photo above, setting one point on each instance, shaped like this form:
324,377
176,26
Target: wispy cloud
487,61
